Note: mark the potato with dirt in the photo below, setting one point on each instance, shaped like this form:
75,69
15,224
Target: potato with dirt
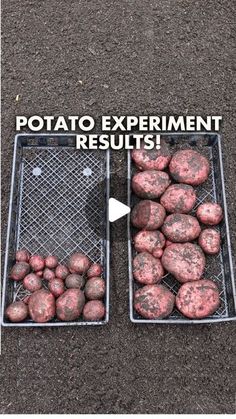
75,281
179,198
147,269
210,213
19,271
94,310
150,184
51,262
32,282
17,312
95,288
152,159
22,255
42,306
37,263
70,304
79,263
189,166
181,228
148,215
154,302
185,261
94,270
56,286
209,240
149,241
61,271
198,299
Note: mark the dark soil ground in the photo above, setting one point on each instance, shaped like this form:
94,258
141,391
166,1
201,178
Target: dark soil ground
133,57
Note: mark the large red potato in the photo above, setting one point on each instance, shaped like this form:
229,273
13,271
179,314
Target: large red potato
32,282
17,311
149,241
154,301
22,255
210,213
19,271
209,240
152,159
147,269
150,184
37,263
189,166
79,263
148,215
181,228
95,288
42,306
179,198
185,261
94,310
198,299
70,304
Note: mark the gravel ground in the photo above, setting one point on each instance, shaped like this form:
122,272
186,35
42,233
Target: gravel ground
133,57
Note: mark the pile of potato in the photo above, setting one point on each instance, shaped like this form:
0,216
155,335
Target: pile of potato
166,185
57,291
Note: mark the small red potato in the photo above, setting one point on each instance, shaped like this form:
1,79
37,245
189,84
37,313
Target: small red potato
179,198
79,263
56,286
51,262
48,274
185,261
152,159
70,304
62,271
154,301
75,281
181,228
150,184
42,306
148,215
19,271
40,273
95,288
22,255
32,282
94,270
149,241
94,310
210,213
37,263
209,240
147,269
198,299
189,166
17,312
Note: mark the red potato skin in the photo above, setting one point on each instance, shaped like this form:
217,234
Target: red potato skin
168,243
181,228
94,310
51,262
179,198
42,306
152,159
56,286
199,299
149,241
154,302
26,299
150,184
94,270
61,272
70,304
75,281
185,261
48,274
147,269
189,166
40,273
79,263
210,213
209,240
17,312
37,263
19,271
22,255
148,215
95,288
32,282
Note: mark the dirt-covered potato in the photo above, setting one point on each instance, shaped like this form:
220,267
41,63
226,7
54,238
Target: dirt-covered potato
22,255
70,304
95,288
94,310
56,286
78,263
41,306
189,166
209,240
61,271
210,213
17,312
19,271
150,184
37,263
179,198
32,282
185,261
181,228
75,281
94,270
48,274
198,299
152,159
51,262
148,215
154,301
147,269
149,241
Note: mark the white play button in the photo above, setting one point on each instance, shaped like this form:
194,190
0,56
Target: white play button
117,210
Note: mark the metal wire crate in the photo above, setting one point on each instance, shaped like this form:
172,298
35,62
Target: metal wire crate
58,205
218,268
